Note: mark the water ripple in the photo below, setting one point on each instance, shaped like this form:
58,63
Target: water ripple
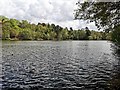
57,65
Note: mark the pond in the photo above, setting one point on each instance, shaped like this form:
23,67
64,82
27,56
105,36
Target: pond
58,64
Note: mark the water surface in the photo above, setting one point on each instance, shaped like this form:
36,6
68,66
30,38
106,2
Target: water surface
58,64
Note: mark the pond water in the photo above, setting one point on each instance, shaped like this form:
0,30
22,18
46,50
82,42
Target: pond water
58,64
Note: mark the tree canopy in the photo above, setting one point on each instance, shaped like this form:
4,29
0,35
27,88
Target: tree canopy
106,15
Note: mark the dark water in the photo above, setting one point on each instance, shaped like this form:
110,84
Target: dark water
86,65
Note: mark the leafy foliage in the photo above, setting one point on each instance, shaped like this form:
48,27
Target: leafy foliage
23,30
106,15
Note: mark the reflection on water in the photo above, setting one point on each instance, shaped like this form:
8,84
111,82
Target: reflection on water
64,64
0,63
115,81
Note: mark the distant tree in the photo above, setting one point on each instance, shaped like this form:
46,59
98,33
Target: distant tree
71,28
24,24
25,34
64,34
43,24
88,33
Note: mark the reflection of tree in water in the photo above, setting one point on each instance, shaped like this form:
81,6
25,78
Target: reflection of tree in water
115,81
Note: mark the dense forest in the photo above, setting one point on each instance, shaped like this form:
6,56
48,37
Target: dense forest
13,29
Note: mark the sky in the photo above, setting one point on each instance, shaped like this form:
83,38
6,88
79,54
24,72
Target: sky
59,12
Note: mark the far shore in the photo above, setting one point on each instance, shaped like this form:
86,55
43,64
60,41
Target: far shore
55,40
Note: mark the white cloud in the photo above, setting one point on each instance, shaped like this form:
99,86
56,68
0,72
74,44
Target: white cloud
48,11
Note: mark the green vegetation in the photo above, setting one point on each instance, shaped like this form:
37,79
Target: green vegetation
23,30
106,15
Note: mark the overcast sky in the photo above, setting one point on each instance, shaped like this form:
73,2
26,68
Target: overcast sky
47,11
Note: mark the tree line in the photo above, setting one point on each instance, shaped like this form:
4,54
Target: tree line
13,29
